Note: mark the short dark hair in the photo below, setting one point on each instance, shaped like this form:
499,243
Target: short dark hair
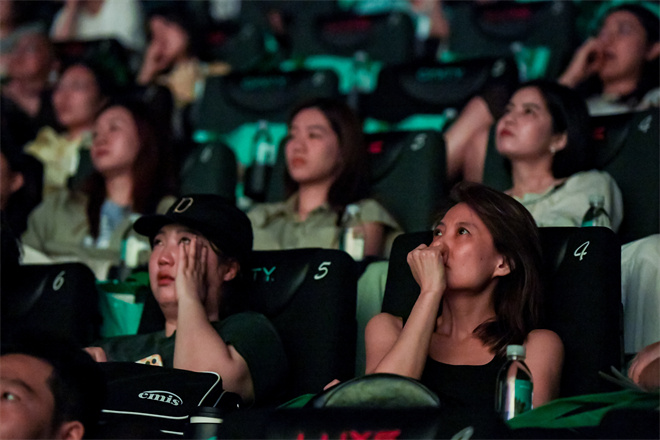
569,115
352,183
518,295
77,382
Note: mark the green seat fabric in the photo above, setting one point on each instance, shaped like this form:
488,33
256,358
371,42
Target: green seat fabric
210,169
628,148
408,175
429,87
540,34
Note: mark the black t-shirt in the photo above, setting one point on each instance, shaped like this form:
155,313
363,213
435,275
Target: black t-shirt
251,334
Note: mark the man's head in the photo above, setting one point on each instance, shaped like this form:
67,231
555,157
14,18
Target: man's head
48,389
217,224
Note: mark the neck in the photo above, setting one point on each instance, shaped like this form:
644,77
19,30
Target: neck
311,196
119,188
620,87
533,177
462,313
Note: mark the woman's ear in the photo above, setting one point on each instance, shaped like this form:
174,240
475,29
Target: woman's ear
503,267
232,270
558,142
653,52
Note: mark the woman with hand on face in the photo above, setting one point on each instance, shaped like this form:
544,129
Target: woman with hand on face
198,247
617,71
132,175
480,288
326,171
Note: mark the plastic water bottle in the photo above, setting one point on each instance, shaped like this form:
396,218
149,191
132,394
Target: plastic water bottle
352,236
258,174
132,246
206,421
596,214
361,78
514,384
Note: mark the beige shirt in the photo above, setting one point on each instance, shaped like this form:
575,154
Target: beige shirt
59,231
276,225
566,204
58,155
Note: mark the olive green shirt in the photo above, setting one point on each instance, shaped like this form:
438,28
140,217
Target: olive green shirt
58,229
277,226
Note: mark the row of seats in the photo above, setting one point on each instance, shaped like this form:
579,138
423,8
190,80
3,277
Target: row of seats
310,296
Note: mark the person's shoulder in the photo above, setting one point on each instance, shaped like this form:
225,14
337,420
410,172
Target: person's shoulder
262,213
386,320
544,340
65,199
590,178
372,210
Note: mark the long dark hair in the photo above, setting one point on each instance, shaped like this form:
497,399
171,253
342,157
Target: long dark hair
153,175
517,296
352,183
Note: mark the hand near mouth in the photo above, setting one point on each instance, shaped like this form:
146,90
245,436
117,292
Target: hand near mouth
588,60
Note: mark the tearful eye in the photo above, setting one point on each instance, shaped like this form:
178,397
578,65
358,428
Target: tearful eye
437,233
185,240
9,396
463,231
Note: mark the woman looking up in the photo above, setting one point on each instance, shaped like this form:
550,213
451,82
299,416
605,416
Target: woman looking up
544,134
132,175
326,171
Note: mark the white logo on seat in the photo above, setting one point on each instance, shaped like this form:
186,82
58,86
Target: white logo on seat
161,396
58,282
645,124
581,250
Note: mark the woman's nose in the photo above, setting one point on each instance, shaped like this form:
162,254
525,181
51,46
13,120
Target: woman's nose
167,255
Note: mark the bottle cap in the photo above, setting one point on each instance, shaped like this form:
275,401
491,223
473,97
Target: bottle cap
597,199
352,209
515,350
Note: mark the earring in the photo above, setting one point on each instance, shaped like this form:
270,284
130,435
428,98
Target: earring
553,150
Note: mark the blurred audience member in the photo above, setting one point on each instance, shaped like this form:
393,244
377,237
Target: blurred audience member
21,180
171,58
132,175
617,71
50,390
99,19
26,96
80,93
326,160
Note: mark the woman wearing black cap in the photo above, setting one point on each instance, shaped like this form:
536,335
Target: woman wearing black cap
197,250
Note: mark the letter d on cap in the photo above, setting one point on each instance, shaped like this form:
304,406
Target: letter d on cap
183,205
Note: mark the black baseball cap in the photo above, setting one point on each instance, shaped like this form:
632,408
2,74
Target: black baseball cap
214,217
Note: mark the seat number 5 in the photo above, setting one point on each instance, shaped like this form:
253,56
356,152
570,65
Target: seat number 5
323,270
